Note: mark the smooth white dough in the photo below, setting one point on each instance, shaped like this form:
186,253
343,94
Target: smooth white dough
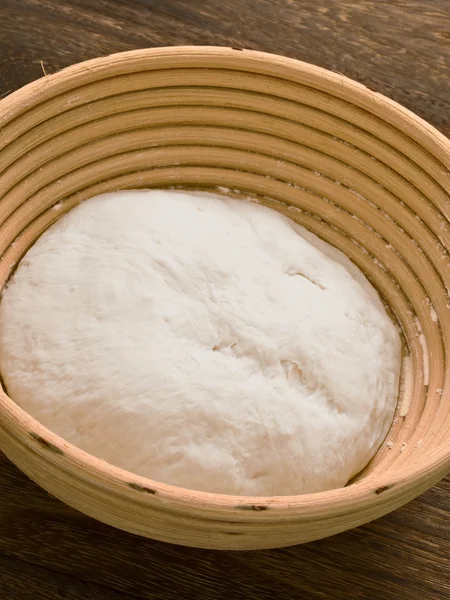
203,342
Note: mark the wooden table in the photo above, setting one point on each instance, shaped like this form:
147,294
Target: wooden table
48,551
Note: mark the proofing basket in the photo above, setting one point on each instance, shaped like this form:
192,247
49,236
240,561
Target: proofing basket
355,168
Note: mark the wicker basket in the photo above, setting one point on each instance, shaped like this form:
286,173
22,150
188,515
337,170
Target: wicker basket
355,168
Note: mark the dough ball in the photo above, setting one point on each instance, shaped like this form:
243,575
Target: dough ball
203,342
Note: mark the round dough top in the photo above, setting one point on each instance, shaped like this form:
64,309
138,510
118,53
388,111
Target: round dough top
202,342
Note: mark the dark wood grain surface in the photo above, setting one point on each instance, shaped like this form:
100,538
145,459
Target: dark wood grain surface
48,551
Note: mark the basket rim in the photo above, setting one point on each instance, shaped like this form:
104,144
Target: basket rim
339,500
334,83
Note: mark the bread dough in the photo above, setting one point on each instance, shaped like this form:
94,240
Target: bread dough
203,342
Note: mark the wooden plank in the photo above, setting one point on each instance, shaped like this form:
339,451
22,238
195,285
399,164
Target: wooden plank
399,47
408,550
23,581
445,129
